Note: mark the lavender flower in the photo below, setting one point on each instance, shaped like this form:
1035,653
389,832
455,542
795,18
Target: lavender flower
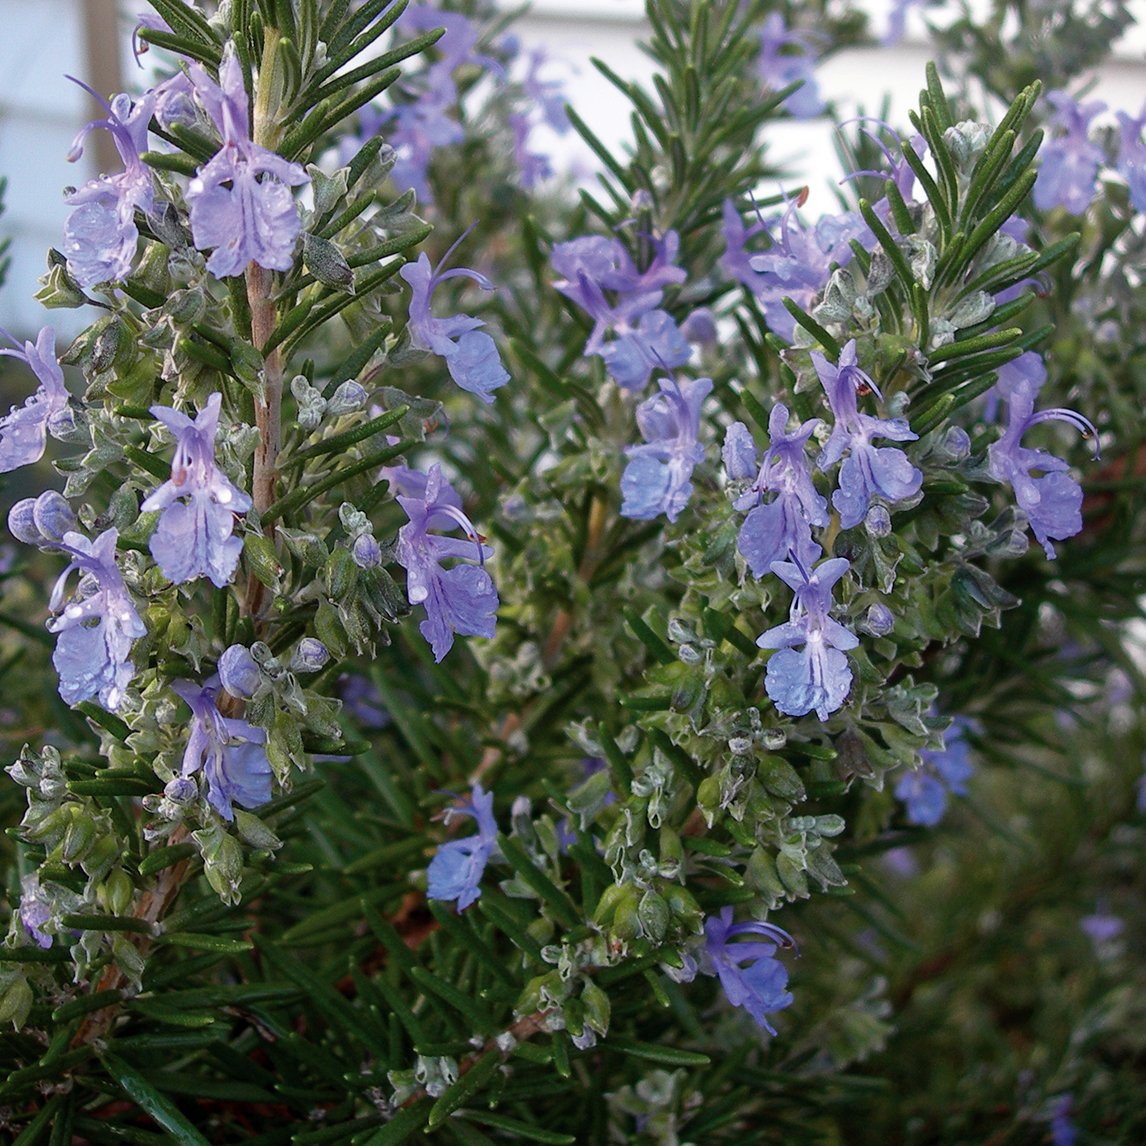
100,234
1132,157
97,627
867,471
779,68
193,537
897,21
817,677
1069,161
231,752
784,525
796,263
455,871
240,202
471,355
1053,500
419,129
759,987
657,479
945,771
23,430
647,337
458,600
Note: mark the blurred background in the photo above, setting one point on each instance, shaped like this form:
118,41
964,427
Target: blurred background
46,40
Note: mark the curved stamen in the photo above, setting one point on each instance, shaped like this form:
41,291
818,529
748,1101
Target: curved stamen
1060,414
469,527
436,277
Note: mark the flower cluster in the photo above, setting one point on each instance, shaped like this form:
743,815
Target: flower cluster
599,275
944,772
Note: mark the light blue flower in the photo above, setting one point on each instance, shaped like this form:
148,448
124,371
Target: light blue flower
24,429
759,987
193,537
455,871
867,471
471,355
96,628
816,677
1052,501
945,771
458,600
774,529
240,202
232,753
1068,171
658,478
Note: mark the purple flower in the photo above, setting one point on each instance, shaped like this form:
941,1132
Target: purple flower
23,430
818,676
100,234
419,129
784,525
97,627
35,910
897,21
1070,161
232,753
759,987
548,96
1027,369
1101,928
193,537
647,337
779,69
240,202
1132,157
471,355
795,264
456,869
1053,500
658,478
945,771
458,600
1063,1130
867,471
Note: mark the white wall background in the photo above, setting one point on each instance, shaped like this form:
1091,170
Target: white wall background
40,111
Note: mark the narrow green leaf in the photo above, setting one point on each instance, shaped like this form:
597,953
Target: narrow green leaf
85,1005
558,900
338,443
141,1092
402,1126
521,1129
804,319
659,650
652,1052
479,1019
107,923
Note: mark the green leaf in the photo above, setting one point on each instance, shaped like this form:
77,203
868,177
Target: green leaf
560,903
141,1092
652,1052
521,1129
401,1127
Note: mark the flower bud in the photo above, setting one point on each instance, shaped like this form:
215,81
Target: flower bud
367,553
350,396
878,521
310,655
238,672
879,621
956,443
53,515
22,523
700,327
181,790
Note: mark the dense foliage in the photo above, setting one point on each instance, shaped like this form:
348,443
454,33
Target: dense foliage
571,665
